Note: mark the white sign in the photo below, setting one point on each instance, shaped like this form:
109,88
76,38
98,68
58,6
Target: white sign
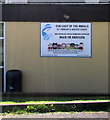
65,39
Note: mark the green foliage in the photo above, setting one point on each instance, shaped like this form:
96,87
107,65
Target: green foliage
65,108
13,109
31,108
41,108
20,112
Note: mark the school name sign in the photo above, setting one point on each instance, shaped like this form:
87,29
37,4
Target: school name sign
65,39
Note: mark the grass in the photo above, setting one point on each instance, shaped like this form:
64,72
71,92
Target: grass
41,102
53,108
21,99
53,99
43,98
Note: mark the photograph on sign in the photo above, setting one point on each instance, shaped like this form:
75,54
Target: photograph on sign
65,39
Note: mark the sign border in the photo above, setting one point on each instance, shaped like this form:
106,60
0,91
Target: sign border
68,56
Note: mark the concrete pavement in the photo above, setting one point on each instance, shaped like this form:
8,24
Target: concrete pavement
61,116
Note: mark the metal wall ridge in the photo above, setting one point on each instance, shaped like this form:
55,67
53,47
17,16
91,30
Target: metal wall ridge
41,12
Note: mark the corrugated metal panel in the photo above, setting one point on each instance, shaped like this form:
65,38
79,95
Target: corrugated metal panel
16,1
76,1
56,1
41,12
104,0
2,0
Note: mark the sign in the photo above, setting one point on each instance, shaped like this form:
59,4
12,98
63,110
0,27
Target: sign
65,39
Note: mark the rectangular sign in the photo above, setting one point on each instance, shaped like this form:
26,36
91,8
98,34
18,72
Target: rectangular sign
65,39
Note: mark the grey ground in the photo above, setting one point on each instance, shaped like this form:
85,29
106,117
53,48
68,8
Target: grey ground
62,115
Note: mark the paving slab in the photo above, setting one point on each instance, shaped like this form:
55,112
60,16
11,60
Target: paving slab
61,116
